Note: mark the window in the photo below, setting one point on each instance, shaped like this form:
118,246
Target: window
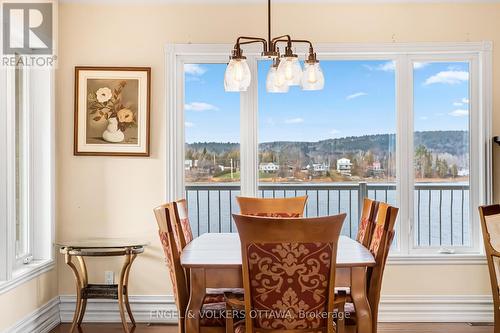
441,154
23,237
212,149
336,145
26,174
405,124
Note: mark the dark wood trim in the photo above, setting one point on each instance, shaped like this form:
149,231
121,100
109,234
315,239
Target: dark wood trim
148,111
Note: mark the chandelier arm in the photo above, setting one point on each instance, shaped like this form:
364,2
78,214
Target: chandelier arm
250,40
294,41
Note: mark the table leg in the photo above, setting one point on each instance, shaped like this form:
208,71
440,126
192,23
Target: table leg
126,293
84,275
121,285
79,286
196,297
360,299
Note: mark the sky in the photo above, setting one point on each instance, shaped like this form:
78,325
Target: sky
359,98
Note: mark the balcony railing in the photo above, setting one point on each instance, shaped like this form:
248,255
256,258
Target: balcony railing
441,210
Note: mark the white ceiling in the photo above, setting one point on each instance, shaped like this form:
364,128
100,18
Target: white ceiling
138,2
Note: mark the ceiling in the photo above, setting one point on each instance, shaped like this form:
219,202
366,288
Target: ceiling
233,2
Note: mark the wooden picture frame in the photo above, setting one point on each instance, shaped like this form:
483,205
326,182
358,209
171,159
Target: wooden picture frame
112,111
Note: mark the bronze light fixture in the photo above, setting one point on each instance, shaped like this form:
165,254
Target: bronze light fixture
286,70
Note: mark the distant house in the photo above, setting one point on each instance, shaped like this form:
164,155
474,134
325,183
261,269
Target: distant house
344,166
375,170
190,164
269,167
320,167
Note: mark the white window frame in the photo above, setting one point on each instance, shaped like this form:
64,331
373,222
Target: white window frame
39,107
479,54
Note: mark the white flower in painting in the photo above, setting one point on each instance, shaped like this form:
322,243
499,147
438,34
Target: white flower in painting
103,94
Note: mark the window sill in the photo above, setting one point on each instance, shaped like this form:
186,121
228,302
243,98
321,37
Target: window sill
438,259
26,273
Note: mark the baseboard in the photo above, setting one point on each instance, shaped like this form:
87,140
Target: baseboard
42,320
436,308
146,309
414,308
162,309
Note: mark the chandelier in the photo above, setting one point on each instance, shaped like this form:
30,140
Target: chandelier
285,71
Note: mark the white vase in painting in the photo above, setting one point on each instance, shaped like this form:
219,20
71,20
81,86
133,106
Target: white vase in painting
112,132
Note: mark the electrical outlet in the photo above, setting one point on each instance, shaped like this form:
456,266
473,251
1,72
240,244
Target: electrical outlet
109,277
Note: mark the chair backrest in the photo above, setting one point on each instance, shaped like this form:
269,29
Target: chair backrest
380,245
183,227
289,271
165,216
272,207
490,224
366,223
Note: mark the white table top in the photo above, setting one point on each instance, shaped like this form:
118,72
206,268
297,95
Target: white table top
224,249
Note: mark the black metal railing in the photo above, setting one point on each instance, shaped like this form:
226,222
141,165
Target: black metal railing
441,210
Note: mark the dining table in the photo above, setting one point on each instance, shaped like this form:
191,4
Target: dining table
214,261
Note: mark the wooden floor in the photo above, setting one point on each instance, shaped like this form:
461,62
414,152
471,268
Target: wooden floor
383,328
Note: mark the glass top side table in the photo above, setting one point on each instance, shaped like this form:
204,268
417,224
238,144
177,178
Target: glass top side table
101,247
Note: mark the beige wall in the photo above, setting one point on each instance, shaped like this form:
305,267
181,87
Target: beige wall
21,301
114,196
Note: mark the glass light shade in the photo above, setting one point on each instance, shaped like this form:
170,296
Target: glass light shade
290,68
275,82
312,77
237,77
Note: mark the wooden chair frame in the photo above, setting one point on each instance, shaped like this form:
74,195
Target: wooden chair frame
491,254
376,273
165,216
254,229
254,206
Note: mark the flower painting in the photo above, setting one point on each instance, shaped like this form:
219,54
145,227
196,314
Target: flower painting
112,111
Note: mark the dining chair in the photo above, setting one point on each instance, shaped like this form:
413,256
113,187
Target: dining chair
213,320
380,244
366,223
289,273
490,224
272,207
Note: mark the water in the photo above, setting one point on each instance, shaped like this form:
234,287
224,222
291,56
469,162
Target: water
441,216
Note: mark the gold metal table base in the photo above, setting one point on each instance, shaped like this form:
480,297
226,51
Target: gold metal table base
85,291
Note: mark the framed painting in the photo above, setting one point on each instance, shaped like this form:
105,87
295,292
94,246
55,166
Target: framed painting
112,109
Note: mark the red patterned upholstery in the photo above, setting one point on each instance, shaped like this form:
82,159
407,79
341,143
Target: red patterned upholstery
167,249
183,232
363,229
382,225
288,280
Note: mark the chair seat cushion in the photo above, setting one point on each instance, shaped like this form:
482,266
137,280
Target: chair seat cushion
213,295
213,315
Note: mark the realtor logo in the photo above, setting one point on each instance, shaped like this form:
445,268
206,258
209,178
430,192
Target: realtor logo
27,28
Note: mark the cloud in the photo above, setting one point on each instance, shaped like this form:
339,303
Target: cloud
461,102
334,132
200,107
388,66
188,124
356,95
294,121
448,77
420,65
194,69
459,113
424,118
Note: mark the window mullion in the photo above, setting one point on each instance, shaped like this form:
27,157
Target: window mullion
249,134
404,155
